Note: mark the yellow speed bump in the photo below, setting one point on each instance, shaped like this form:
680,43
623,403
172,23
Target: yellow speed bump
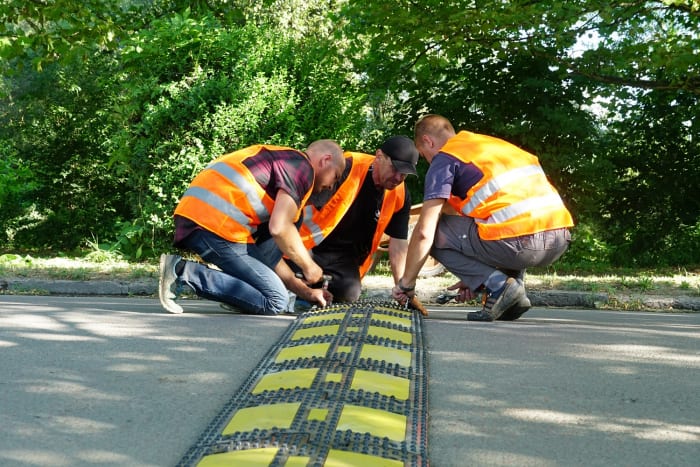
345,386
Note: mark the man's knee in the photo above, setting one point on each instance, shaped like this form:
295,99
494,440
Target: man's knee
275,304
345,290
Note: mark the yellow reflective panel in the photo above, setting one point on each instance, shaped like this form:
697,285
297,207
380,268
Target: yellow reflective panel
297,461
323,317
352,329
334,377
262,417
248,458
343,349
395,310
352,459
405,322
317,414
379,423
387,385
289,379
393,334
302,351
318,331
388,354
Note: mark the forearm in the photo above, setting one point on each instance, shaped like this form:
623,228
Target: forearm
421,241
420,249
397,257
293,283
286,235
290,244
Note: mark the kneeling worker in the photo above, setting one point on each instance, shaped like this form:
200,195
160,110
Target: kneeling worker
371,199
239,214
488,213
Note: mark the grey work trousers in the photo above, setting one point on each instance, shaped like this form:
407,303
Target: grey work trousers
459,248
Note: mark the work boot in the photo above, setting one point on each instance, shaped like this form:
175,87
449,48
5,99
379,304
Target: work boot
497,302
167,283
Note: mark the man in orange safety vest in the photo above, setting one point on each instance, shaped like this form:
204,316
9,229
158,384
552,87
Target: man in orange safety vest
371,200
239,214
489,212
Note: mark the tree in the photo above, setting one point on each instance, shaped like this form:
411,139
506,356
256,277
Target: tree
115,130
544,75
210,90
651,212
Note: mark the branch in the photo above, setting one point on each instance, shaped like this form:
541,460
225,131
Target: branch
691,85
691,8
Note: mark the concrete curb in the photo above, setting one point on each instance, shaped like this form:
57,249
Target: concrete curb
552,298
67,287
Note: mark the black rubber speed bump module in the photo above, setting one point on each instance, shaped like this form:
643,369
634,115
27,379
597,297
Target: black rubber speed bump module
345,386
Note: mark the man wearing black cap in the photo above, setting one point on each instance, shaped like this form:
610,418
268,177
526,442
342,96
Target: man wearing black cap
371,199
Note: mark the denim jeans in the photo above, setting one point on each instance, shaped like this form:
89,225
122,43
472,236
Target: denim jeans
247,279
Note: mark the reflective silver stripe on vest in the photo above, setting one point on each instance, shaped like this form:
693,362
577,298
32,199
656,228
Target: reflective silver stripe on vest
494,185
314,228
240,181
218,203
223,206
514,210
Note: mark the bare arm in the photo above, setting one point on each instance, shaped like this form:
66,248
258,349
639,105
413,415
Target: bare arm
287,237
321,296
397,257
421,240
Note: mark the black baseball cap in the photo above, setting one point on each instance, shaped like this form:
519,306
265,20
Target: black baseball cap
403,154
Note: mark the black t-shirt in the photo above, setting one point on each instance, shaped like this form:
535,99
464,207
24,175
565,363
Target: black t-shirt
356,229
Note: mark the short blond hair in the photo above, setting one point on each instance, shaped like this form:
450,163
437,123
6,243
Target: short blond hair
434,125
327,146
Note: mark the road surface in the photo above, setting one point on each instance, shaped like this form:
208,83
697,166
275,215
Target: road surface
117,382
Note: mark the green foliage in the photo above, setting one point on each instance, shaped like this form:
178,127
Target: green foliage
109,109
52,124
651,210
587,251
17,185
531,72
213,90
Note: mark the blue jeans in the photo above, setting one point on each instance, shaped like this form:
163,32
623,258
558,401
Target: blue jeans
247,279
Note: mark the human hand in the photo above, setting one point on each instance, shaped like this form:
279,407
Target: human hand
402,296
312,274
463,294
320,296
327,296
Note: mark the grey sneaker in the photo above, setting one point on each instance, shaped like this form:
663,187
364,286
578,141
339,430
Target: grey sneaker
498,302
517,310
167,283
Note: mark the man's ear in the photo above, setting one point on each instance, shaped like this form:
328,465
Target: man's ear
326,160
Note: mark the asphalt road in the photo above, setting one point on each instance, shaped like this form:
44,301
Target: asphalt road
116,382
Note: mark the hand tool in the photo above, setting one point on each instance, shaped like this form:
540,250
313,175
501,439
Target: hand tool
326,279
416,304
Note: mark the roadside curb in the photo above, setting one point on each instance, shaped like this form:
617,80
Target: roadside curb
551,298
68,287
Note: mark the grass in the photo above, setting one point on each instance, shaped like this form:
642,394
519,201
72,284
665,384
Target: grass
612,281
86,268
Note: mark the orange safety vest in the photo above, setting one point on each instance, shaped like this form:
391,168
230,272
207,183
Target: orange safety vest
514,197
225,198
317,224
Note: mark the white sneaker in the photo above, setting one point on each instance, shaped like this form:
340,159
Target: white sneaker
167,283
291,302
